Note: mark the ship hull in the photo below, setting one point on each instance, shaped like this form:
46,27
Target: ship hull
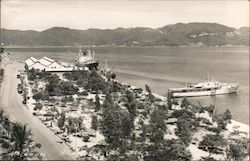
92,65
222,90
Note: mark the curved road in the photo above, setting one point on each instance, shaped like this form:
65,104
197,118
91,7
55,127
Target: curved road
11,103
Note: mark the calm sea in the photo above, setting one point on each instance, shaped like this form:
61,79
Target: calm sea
165,67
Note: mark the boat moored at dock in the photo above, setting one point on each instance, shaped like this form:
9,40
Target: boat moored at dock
86,59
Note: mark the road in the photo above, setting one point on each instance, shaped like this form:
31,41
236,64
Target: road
11,103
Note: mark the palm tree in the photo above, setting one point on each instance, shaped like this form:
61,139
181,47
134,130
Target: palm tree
5,130
7,125
21,144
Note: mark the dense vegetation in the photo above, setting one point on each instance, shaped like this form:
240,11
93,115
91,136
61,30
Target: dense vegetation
16,141
180,34
134,123
1,50
90,80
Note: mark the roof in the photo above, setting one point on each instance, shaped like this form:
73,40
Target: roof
37,65
55,65
33,59
30,61
46,61
51,60
48,64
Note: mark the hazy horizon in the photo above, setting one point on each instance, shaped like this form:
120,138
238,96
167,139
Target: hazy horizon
40,15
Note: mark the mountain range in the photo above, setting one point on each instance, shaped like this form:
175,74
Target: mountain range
180,34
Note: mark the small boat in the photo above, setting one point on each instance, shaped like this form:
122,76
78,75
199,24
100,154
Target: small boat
206,88
87,59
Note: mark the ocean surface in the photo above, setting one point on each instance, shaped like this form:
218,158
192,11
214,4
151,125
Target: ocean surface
165,67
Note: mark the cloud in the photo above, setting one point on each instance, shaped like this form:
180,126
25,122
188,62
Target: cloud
11,7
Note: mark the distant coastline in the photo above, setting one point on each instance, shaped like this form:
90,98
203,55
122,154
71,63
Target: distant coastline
181,34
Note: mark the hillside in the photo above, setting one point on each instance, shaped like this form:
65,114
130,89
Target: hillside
180,34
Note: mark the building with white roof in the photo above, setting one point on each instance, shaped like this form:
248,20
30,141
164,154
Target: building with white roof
38,66
46,61
49,65
55,65
31,61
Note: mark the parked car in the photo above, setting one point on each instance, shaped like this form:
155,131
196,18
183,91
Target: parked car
60,142
24,102
19,88
58,132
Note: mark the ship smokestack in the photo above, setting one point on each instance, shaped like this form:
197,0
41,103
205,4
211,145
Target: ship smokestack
93,54
89,53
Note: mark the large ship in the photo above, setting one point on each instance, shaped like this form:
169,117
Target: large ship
86,59
206,88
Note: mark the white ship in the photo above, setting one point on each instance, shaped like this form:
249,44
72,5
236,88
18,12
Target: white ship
86,58
206,88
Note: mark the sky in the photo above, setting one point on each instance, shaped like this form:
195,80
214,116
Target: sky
84,14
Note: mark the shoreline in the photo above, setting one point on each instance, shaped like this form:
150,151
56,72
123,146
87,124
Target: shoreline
243,126
131,77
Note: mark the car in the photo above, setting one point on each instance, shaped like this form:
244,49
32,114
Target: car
19,90
24,102
78,134
66,140
58,132
18,76
64,135
60,142
63,105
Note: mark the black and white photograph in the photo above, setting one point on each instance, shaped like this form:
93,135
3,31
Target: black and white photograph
124,80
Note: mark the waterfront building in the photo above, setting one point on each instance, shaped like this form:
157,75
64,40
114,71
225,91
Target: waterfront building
49,65
33,63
